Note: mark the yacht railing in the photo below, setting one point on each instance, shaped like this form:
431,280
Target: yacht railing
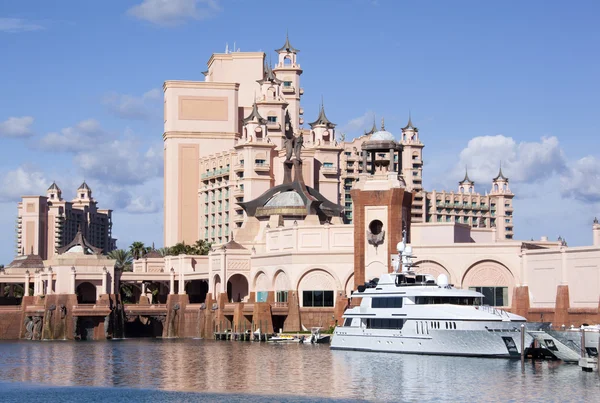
493,310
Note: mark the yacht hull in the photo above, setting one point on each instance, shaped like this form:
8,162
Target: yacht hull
474,343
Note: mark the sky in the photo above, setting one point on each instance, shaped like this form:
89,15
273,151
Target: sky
486,82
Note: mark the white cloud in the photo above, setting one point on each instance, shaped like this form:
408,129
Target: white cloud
174,12
523,162
24,180
16,127
121,162
582,180
131,107
15,25
357,125
84,135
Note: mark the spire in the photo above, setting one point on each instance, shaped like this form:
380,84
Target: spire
322,119
466,179
268,75
287,47
595,220
54,186
373,129
84,186
382,124
500,175
409,126
254,115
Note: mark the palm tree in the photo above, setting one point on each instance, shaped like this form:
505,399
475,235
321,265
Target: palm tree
123,259
201,247
137,250
180,249
164,251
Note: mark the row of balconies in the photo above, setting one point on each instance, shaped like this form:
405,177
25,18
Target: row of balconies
215,172
462,206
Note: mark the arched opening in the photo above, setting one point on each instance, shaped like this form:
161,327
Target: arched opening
287,61
271,92
494,280
317,289
281,286
349,285
86,293
431,267
196,291
130,293
261,286
237,288
495,187
375,227
216,285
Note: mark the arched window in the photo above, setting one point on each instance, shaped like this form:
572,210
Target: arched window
287,61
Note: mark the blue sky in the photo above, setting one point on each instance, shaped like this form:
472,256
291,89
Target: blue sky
485,81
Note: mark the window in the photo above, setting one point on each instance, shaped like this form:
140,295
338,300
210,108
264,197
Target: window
493,296
272,119
261,296
282,296
287,84
447,300
259,162
317,299
348,322
386,302
385,323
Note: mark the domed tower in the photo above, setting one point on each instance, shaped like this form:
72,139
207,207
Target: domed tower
54,193
272,106
382,207
288,71
326,155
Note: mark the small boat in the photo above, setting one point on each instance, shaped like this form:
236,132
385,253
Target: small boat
317,338
284,338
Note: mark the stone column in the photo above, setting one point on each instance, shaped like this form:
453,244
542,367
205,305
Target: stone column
104,280
181,284
564,272
26,290
73,275
172,282
49,286
392,161
11,290
143,289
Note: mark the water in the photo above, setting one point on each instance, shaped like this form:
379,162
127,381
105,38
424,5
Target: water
193,370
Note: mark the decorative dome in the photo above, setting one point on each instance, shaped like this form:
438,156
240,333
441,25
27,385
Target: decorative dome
286,199
382,135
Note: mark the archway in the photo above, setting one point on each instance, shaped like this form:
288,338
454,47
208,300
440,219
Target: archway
196,291
281,286
349,285
493,279
431,267
317,289
86,293
216,285
237,288
261,287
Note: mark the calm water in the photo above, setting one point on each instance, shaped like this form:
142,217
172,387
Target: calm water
194,370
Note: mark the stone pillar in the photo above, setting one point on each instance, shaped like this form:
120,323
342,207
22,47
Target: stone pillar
172,282
11,290
143,289
73,274
181,284
564,273
26,290
35,284
49,286
104,280
391,169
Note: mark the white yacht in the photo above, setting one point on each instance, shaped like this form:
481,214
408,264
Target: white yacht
406,312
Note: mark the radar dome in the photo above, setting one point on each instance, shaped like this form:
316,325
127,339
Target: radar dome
408,250
400,247
442,280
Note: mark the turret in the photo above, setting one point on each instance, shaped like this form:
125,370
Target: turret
322,130
466,185
54,193
84,192
288,71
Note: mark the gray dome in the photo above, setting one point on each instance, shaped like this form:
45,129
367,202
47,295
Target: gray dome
286,199
382,135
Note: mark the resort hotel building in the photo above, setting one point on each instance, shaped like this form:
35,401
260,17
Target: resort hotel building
298,218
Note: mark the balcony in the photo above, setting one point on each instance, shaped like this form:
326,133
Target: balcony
290,89
238,191
329,170
273,126
238,167
262,167
238,217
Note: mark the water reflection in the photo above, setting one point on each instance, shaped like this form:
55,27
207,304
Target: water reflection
297,370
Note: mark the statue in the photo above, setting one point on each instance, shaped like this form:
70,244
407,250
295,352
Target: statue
288,143
298,144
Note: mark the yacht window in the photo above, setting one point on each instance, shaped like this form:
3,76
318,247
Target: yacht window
386,302
447,300
454,323
446,325
348,322
385,323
